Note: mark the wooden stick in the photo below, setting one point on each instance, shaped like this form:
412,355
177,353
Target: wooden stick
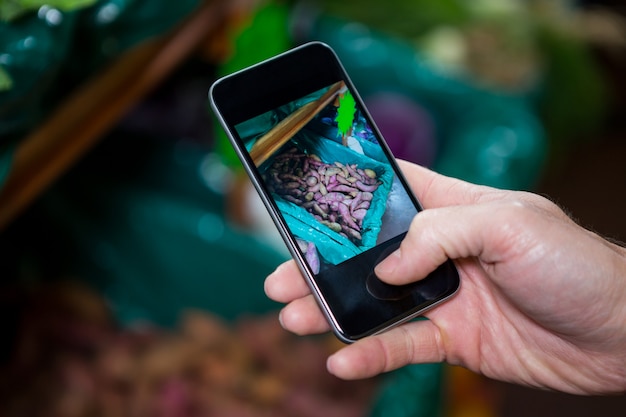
289,126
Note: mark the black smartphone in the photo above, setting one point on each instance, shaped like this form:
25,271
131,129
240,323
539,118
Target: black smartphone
330,183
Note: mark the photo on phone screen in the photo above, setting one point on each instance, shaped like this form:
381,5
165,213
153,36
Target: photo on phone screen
324,167
330,183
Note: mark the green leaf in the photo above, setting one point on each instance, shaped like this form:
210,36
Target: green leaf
345,113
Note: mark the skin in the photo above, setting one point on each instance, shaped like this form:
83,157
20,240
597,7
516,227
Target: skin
542,301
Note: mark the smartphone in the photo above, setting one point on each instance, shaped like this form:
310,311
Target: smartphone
330,183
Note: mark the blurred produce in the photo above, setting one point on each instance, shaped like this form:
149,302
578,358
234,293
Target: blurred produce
408,127
417,104
467,131
538,48
69,358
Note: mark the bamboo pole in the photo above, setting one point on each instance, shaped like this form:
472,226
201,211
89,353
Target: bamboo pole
289,126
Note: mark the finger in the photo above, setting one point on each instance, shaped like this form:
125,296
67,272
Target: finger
436,190
415,342
286,283
451,233
303,316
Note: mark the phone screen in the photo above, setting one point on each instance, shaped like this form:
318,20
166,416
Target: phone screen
333,186
322,163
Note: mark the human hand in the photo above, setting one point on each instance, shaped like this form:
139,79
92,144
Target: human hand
542,301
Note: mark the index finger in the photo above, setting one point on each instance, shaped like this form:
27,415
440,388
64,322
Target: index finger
286,283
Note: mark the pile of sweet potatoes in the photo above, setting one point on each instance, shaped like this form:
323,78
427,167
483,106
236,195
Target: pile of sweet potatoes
338,195
68,358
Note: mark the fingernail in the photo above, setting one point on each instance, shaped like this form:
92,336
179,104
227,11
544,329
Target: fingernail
280,319
329,364
389,264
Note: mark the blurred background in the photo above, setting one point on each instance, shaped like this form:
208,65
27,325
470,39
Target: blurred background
133,252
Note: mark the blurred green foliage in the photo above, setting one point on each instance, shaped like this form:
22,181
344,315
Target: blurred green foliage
12,9
264,34
406,18
5,80
49,49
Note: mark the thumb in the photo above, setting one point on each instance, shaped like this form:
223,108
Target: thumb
436,235
413,342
